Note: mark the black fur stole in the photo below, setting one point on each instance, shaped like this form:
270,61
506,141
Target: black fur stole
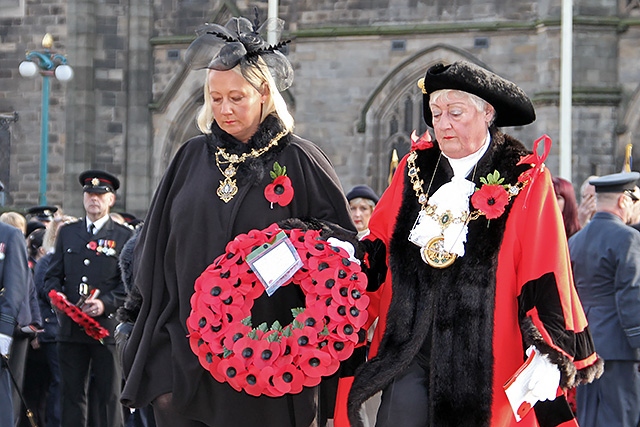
252,170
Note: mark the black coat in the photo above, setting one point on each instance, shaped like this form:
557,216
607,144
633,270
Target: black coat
187,227
14,274
74,263
49,316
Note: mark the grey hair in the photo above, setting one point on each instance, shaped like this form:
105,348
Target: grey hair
479,103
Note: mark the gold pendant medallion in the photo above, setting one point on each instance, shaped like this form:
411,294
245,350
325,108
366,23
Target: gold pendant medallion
227,189
434,254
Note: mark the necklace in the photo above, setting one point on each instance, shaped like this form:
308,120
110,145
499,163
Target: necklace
434,252
228,188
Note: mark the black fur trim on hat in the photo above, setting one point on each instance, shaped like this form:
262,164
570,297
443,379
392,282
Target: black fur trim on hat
513,106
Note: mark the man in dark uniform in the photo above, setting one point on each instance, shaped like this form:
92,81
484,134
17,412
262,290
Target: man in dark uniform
86,261
14,274
605,256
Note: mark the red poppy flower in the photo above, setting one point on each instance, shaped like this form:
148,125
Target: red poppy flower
280,191
491,200
341,350
315,364
233,371
313,318
288,379
257,380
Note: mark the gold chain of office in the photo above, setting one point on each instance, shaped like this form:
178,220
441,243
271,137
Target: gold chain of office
228,187
434,253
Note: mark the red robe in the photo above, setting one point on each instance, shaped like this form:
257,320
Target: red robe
513,285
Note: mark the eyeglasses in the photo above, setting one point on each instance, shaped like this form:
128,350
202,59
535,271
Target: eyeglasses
632,195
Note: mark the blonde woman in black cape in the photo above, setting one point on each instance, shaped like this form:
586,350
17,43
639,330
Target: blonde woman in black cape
197,210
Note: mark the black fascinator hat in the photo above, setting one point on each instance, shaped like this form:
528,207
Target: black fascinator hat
513,106
241,42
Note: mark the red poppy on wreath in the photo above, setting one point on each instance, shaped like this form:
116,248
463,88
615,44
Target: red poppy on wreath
89,324
278,360
280,191
491,198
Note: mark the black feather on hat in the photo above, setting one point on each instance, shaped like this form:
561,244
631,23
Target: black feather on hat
513,106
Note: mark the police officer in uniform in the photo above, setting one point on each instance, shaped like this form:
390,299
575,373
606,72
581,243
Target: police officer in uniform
605,256
85,262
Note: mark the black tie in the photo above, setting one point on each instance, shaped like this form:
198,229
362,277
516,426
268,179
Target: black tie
92,229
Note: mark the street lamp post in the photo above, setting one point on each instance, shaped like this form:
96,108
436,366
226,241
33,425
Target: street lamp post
48,63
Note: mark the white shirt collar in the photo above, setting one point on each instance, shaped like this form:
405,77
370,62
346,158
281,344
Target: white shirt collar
98,223
462,167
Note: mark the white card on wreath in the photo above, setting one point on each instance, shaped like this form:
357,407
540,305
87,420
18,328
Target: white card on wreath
275,262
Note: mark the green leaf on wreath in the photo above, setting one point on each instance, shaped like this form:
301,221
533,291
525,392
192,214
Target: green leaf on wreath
297,311
263,327
253,334
325,331
276,326
226,352
287,331
273,338
297,325
246,321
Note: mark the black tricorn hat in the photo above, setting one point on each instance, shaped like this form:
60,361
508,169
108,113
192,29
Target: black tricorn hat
97,181
513,106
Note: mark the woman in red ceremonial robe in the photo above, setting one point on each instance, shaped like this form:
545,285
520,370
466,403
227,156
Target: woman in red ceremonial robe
469,271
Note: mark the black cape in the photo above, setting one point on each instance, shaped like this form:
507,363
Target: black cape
187,227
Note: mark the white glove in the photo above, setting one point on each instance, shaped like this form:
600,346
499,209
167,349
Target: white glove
337,243
5,344
545,376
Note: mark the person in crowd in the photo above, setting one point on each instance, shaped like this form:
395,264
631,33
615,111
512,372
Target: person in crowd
362,201
85,266
605,256
16,220
42,214
248,170
29,319
14,274
42,377
566,198
469,242
587,206
36,371
634,216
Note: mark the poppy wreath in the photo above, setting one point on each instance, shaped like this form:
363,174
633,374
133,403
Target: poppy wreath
277,360
89,324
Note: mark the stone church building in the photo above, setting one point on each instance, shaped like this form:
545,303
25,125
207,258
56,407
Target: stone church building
132,102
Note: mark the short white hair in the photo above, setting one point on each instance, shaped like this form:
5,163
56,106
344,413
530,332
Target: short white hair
446,94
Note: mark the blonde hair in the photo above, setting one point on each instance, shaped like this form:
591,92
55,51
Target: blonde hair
257,74
16,220
479,103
